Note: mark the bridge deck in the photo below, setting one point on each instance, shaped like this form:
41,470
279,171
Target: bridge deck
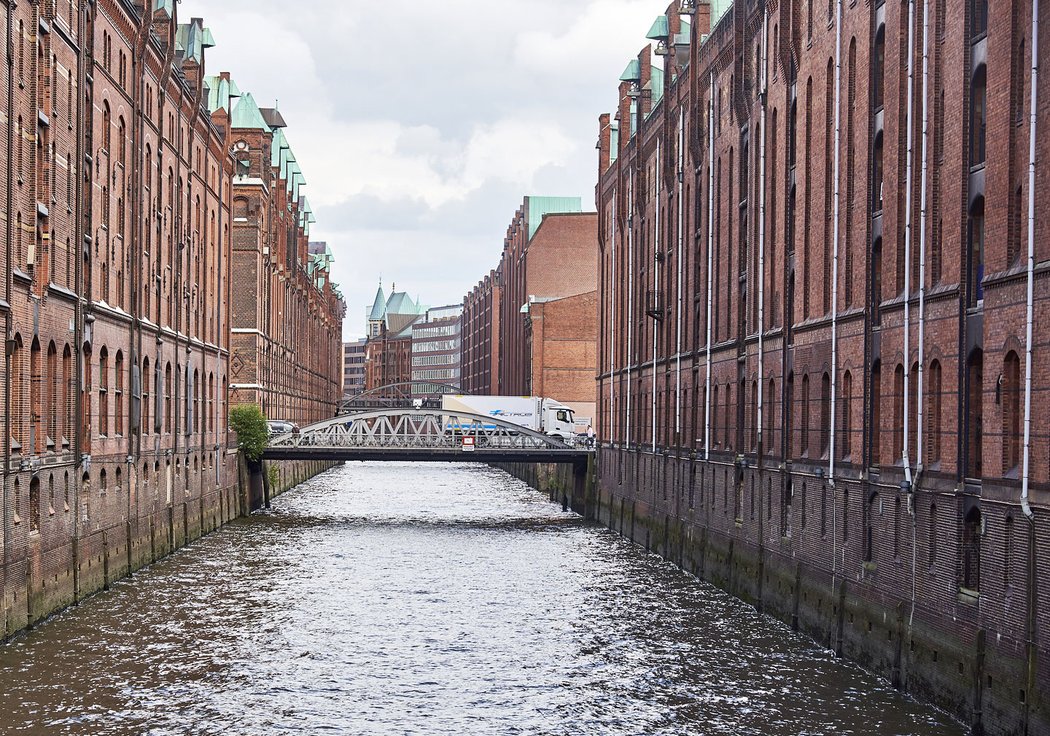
429,454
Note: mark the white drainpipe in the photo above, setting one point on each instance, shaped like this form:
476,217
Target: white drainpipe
681,243
835,247
920,408
907,238
612,317
656,286
630,296
762,236
710,257
1029,304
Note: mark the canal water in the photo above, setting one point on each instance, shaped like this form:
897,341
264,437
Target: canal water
441,599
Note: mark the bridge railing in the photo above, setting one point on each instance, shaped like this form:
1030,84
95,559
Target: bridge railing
418,428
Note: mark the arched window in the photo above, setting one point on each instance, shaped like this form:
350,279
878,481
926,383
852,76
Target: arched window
851,157
847,415
167,398
211,402
36,398
804,429
974,414
53,382
122,143
196,402
107,125
1011,403
144,425
67,395
789,415
769,411
729,415
103,392
878,69
898,411
978,116
825,414
34,505
971,550
754,415
933,451
118,414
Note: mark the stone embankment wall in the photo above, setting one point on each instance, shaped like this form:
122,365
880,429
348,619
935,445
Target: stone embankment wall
971,674
159,518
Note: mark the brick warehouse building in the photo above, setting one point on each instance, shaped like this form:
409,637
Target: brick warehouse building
115,300
812,380
286,314
479,372
530,325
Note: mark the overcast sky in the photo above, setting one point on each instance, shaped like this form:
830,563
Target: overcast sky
421,125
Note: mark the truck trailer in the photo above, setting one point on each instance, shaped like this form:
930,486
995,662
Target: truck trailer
531,412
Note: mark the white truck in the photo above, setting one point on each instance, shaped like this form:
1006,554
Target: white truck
532,412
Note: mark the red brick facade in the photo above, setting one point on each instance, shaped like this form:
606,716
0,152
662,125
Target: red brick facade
388,361
562,341
549,254
116,298
286,314
479,373
735,168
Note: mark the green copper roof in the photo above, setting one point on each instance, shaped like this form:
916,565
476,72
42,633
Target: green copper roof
192,38
280,144
659,31
633,72
378,306
537,207
163,7
718,9
221,93
656,84
247,115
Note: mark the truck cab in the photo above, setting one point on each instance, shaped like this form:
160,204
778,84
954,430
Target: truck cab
558,421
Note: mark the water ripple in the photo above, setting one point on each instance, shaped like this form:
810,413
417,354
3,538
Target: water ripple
414,599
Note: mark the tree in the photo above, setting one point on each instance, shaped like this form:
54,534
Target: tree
248,421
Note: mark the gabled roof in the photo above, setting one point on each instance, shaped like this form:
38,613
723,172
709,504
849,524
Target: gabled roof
401,303
192,38
221,93
378,305
247,115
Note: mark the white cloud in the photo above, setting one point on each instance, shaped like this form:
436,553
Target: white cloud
449,110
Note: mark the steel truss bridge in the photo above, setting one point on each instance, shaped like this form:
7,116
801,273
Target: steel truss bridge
433,435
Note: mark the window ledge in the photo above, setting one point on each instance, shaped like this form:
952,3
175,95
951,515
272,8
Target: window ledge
968,596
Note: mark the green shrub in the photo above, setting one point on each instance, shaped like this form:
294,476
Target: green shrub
248,421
